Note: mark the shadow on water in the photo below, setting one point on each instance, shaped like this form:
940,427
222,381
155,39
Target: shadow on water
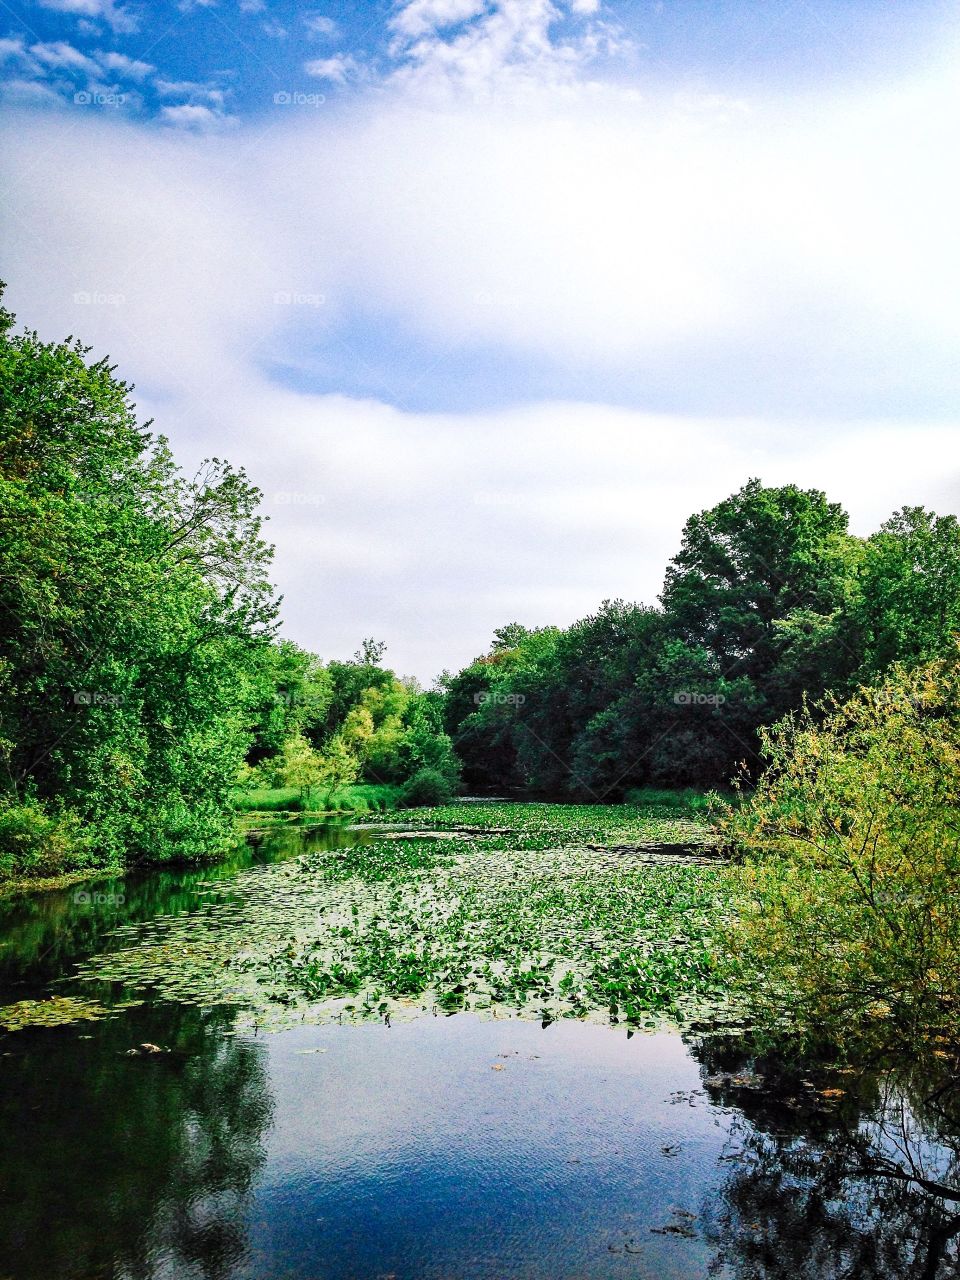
837,1174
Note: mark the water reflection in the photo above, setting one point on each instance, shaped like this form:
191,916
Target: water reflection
43,934
446,1148
137,1166
858,1178
454,1147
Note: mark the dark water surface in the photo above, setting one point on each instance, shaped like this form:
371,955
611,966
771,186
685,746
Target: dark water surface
439,1149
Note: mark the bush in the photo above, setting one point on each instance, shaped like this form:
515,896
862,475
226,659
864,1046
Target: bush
850,918
688,800
34,843
427,788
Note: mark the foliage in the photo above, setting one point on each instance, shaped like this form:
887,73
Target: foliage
908,603
368,726
358,798
549,910
32,838
426,787
137,616
768,600
850,917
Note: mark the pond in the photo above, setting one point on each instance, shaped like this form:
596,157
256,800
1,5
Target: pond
175,1140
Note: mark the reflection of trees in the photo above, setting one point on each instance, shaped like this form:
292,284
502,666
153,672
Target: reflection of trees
864,1186
44,934
113,1165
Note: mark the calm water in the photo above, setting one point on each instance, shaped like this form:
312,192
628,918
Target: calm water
438,1149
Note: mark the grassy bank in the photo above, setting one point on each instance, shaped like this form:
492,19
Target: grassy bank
360,798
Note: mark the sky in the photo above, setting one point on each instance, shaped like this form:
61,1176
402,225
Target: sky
488,296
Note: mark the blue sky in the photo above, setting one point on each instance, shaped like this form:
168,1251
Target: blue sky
249,49
489,295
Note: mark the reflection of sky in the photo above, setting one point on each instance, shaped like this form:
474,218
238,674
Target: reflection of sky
402,1150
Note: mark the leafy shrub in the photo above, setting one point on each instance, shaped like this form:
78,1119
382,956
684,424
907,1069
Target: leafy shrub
33,842
850,917
427,787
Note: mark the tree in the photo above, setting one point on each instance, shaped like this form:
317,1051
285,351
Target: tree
136,611
370,653
908,605
300,766
849,919
755,594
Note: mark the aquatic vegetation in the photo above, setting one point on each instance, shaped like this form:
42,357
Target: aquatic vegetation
548,910
51,1012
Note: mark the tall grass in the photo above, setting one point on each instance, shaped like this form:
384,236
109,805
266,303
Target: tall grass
359,798
687,800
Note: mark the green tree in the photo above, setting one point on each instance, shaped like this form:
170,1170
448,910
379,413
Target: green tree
136,611
849,920
908,605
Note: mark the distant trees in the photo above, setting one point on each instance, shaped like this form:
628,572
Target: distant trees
769,600
343,722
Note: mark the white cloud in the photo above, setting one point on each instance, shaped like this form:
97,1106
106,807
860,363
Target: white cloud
420,17
496,47
117,17
320,26
192,115
337,70
590,232
22,92
53,71
12,47
191,89
132,68
59,55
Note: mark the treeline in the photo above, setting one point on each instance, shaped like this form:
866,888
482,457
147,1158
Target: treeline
770,601
140,673
143,686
